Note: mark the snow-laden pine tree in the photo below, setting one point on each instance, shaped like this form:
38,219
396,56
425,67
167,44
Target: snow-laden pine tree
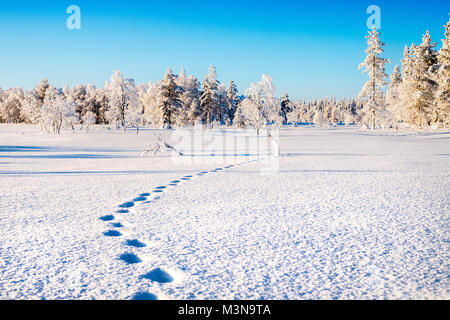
190,98
221,110
208,100
233,101
393,99
418,87
169,100
372,92
91,106
101,104
286,107
442,100
296,113
320,119
41,90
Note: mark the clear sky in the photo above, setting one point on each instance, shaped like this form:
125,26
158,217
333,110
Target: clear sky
311,49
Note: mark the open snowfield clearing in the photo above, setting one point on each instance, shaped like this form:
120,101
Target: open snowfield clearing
348,214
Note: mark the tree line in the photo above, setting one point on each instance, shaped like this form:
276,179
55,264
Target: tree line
418,95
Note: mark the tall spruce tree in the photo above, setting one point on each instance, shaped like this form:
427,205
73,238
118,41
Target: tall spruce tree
374,66
208,100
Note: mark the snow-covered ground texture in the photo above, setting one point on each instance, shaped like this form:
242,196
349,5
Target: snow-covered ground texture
348,214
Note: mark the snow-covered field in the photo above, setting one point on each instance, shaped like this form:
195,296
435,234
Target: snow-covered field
348,214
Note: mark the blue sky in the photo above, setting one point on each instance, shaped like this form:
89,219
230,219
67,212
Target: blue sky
310,49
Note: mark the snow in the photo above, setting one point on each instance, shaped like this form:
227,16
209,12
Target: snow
349,214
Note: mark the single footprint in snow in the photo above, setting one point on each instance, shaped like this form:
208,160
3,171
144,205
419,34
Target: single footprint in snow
107,218
117,225
135,243
144,296
144,194
127,205
158,275
140,199
161,188
130,258
122,211
112,233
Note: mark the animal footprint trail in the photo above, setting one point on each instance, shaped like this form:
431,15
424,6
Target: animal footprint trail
158,275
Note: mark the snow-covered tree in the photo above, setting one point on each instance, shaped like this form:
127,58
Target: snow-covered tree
56,111
41,90
374,66
133,110
418,87
222,105
30,111
101,104
286,107
190,98
116,100
233,101
393,98
296,113
258,105
169,100
208,100
152,114
11,106
77,95
123,102
319,119
88,119
441,114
